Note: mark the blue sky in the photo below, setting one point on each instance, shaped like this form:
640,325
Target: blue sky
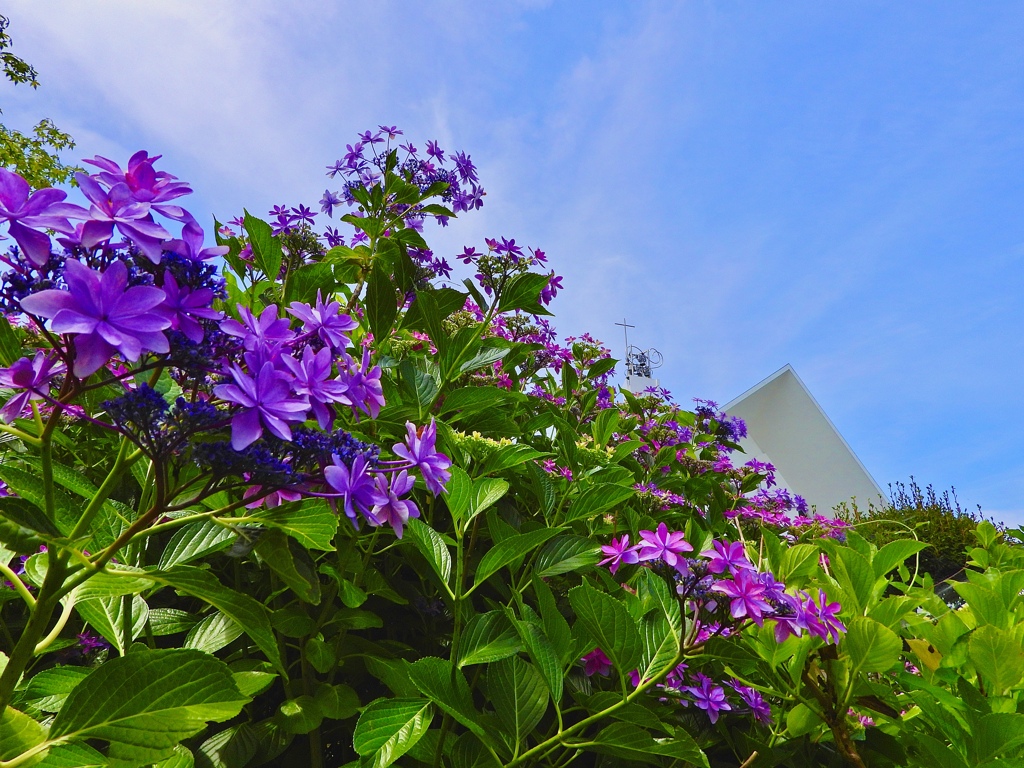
837,186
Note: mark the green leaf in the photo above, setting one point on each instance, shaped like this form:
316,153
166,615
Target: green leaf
801,720
627,741
310,522
610,625
871,645
231,748
418,389
545,657
509,456
30,488
505,552
603,426
519,695
996,734
73,756
381,302
488,637
458,494
10,345
598,499
266,249
988,607
486,493
253,682
388,728
246,612
856,577
106,616
170,621
291,563
894,553
320,654
556,628
18,733
194,541
144,703
523,292
484,357
47,690
304,282
997,657
447,688
565,554
337,702
799,560
214,632
299,715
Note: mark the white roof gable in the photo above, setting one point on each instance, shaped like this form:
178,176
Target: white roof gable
787,427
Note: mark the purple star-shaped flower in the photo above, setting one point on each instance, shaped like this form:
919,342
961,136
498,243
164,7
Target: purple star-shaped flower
27,212
755,701
266,330
328,201
619,552
312,379
726,556
266,401
388,507
826,622
303,215
746,594
364,387
32,377
355,484
325,320
709,697
185,308
664,545
596,663
419,448
119,208
147,185
435,151
190,244
103,314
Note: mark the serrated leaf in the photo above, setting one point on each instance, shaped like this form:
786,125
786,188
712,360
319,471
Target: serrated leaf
231,748
610,625
446,686
266,249
144,703
299,715
47,690
488,637
18,733
565,554
181,757
487,491
212,633
894,553
431,546
337,702
170,621
598,499
872,646
310,522
510,549
388,728
458,493
106,616
544,655
519,695
194,541
291,563
73,756
629,742
381,303
30,487
997,657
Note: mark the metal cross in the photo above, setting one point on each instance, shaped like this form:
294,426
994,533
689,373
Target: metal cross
625,332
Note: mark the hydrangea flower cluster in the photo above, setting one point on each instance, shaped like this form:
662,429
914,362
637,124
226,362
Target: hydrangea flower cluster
139,314
723,590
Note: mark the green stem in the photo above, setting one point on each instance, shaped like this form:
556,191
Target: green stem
62,621
120,463
18,584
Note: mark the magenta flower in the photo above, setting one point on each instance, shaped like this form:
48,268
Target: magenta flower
664,545
326,321
419,448
184,308
119,208
825,615
726,556
312,380
596,663
746,593
266,330
270,500
355,485
146,184
27,212
190,244
266,401
103,314
619,552
388,507
709,697
33,377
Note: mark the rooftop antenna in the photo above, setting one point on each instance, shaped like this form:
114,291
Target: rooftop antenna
639,363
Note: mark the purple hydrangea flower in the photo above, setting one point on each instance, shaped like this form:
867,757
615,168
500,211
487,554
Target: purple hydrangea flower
825,623
27,212
619,552
727,556
746,594
312,380
266,401
119,208
103,314
596,663
146,184
388,507
755,701
419,448
266,330
184,308
709,697
32,377
190,244
355,484
662,544
364,387
325,320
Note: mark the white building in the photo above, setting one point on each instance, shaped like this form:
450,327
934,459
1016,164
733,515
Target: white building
787,428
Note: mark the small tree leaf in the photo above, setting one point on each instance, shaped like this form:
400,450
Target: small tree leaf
519,695
610,625
388,728
488,637
508,550
871,645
